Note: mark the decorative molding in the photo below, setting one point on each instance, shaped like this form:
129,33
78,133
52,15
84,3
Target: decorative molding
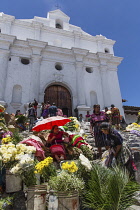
36,46
4,53
7,18
83,108
58,77
79,53
6,41
57,14
36,58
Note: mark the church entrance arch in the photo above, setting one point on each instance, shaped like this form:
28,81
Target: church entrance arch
61,96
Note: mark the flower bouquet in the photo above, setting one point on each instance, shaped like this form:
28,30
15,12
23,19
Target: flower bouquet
73,125
19,159
66,181
45,168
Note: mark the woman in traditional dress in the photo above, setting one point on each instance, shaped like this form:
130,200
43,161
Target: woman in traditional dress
46,110
88,117
56,143
96,119
115,116
116,148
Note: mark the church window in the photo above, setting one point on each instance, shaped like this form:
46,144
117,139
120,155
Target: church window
58,66
0,30
106,50
9,59
17,94
89,69
25,61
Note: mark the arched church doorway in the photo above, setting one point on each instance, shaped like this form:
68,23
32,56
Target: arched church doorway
61,96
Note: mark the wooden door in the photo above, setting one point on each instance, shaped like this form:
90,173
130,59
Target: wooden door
60,96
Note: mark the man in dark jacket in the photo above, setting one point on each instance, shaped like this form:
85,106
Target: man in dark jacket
31,116
52,110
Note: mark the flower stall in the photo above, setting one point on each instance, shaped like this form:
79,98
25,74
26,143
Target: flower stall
29,167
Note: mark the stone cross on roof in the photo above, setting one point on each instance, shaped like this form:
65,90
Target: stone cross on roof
57,5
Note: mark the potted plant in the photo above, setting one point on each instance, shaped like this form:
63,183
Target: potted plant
16,159
67,186
36,197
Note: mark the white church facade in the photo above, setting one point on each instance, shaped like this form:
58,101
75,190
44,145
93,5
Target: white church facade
51,60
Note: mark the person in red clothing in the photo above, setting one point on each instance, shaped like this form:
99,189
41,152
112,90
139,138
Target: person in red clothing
56,142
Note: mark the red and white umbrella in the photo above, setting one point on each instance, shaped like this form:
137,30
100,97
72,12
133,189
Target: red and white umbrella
48,123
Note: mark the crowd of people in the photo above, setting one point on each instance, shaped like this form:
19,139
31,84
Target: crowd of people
47,110
104,126
113,114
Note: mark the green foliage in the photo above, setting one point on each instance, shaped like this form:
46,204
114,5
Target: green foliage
21,119
83,172
87,152
3,126
65,127
16,138
5,202
48,172
1,114
109,189
65,182
29,177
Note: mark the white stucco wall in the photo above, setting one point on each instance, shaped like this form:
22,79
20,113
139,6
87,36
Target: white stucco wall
44,45
130,118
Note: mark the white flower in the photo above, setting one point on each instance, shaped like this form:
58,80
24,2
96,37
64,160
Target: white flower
108,112
85,162
31,149
26,159
15,169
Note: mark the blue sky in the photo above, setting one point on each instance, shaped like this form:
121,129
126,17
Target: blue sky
116,19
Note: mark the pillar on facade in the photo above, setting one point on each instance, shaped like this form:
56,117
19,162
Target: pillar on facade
37,29
36,47
80,83
4,57
79,66
115,91
5,42
109,78
105,85
35,77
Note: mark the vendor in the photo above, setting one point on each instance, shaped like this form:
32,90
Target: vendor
117,149
56,142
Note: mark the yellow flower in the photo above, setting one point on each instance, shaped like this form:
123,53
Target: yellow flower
43,164
71,167
6,140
